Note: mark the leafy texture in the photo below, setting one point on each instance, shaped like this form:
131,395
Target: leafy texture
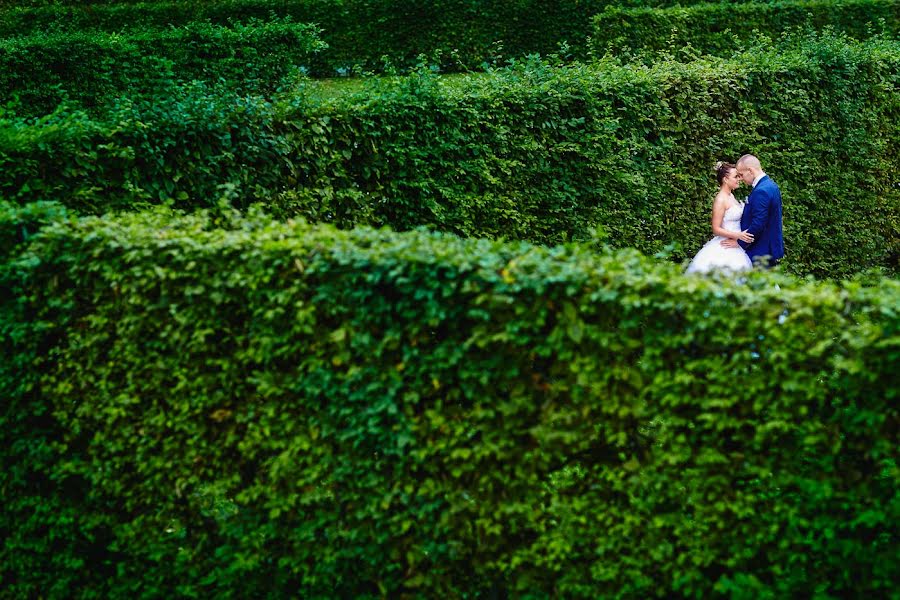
90,69
217,406
458,35
722,28
455,35
535,152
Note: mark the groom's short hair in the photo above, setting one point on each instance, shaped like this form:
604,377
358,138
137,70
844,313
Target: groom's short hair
750,161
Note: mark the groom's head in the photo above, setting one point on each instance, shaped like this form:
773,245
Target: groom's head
748,168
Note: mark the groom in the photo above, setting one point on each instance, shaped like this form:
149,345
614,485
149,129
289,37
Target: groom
762,215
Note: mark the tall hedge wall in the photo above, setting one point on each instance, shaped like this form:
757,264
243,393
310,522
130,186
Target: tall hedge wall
456,34
535,152
89,69
226,407
722,28
459,34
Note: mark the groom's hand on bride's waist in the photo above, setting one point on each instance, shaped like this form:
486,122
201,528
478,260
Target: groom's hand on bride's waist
729,243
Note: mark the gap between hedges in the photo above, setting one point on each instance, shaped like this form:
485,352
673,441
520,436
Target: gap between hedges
535,152
453,35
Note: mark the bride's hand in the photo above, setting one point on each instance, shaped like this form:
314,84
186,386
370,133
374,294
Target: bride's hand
746,236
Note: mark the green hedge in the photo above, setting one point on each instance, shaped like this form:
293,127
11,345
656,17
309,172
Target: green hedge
535,152
226,407
90,68
723,27
452,35
456,34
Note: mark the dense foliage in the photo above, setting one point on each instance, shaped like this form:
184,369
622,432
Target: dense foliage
226,407
721,28
365,35
284,402
533,152
360,34
89,69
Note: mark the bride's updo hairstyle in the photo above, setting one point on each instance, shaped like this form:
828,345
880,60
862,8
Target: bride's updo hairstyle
722,169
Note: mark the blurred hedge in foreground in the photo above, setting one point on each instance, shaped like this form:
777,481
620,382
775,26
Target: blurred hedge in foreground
536,152
89,69
222,407
722,28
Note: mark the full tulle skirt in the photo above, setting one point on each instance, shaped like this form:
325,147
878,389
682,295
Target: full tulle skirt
714,256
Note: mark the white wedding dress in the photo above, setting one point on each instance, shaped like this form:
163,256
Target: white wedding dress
713,256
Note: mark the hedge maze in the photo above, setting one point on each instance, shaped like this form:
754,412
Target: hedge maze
386,299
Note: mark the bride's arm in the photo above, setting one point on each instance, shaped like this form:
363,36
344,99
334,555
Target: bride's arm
718,217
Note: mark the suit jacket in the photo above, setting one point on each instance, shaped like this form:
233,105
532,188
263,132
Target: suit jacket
762,217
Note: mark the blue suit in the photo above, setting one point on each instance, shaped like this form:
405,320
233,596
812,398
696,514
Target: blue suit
762,218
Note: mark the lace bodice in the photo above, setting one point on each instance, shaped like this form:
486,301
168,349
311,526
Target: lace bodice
732,219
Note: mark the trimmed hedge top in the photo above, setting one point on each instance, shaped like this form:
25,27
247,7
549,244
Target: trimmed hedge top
380,35
725,28
92,69
219,406
364,34
534,152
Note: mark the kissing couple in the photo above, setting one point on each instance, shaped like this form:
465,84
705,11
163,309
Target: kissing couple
745,234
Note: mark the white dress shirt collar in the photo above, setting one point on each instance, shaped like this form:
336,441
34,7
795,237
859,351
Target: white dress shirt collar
758,178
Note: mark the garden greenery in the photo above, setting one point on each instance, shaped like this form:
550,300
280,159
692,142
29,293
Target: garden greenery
360,34
452,35
536,151
89,69
386,338
722,28
224,406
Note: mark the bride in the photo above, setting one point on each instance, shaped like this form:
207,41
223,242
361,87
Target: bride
726,223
